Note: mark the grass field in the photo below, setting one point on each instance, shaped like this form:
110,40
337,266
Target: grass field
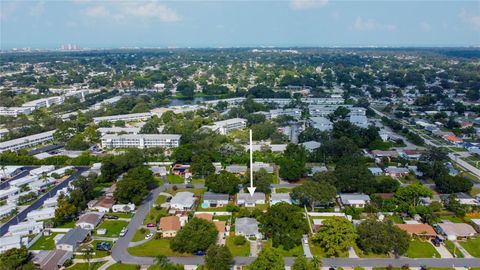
421,249
154,248
197,181
472,245
241,251
362,254
451,248
175,179
119,266
121,215
84,266
45,243
160,199
296,251
140,234
154,215
283,190
70,224
113,227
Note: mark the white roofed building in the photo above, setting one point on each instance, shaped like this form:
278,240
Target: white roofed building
28,141
141,141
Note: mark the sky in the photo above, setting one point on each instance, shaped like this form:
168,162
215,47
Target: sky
238,23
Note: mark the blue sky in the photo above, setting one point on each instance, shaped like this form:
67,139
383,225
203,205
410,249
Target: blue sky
229,23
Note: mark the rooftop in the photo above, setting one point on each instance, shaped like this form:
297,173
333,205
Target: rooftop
170,223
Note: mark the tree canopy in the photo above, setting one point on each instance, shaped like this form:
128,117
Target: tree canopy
197,235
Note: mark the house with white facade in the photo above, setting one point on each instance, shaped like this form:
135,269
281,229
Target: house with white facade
9,242
124,117
245,199
183,201
280,197
223,127
357,200
72,239
44,102
26,228
41,214
321,123
89,220
15,111
140,141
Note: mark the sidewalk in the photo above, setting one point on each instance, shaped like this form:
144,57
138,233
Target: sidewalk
464,251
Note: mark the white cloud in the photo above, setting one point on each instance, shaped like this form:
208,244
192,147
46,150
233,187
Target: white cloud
426,27
123,10
472,20
97,11
365,25
307,4
37,9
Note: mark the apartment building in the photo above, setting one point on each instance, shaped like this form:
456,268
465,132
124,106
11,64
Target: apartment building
44,102
223,127
15,111
123,117
295,113
141,140
28,141
116,130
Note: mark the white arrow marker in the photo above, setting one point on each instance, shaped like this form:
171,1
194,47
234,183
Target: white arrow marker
251,189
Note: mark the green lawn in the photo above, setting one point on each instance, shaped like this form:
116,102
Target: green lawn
421,249
197,181
84,266
196,191
240,251
472,245
140,234
119,266
113,227
212,209
396,219
160,199
175,179
154,215
70,224
363,254
294,252
283,190
44,243
159,181
121,215
154,248
451,247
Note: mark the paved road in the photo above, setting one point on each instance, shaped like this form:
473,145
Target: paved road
38,203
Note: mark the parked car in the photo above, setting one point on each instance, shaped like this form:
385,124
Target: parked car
199,253
111,217
148,236
189,186
436,242
151,225
123,232
103,246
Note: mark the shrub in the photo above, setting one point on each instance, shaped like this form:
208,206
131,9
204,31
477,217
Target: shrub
239,240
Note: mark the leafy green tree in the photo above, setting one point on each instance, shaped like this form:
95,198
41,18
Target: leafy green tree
263,131
382,237
386,184
353,176
410,195
224,182
285,224
453,184
183,153
301,263
262,180
130,191
187,88
291,170
218,257
77,143
335,236
141,173
201,166
197,235
65,211
268,259
311,193
16,259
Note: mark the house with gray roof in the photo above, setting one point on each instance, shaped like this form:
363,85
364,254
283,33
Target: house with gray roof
236,169
280,197
72,239
247,227
183,201
310,146
357,200
245,199
211,199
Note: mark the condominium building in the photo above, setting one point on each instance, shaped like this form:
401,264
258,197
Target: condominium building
123,117
140,140
295,113
223,127
28,141
116,130
321,123
44,102
15,111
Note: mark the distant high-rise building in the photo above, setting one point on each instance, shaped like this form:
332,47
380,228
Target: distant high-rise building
70,47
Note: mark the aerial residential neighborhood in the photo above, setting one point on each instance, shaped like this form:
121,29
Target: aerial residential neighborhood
239,135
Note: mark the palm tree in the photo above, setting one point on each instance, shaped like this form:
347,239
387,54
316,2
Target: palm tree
161,260
316,262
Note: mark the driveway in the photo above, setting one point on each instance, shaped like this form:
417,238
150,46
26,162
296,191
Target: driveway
306,248
443,251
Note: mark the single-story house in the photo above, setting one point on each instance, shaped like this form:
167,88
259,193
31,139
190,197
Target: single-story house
125,208
89,220
317,169
183,201
180,169
9,242
247,227
420,230
211,199
206,216
159,170
454,231
257,166
41,214
376,171
236,169
26,228
310,146
53,259
169,226
357,200
102,204
72,239
280,197
381,154
394,171
245,199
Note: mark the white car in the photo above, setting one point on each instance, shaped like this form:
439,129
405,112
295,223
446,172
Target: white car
148,236
123,232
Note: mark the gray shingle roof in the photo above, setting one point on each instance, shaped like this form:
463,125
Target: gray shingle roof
73,237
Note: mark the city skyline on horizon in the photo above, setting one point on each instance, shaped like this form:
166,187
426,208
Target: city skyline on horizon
232,24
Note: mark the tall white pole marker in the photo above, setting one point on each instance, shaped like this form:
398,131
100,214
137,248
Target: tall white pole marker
251,189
